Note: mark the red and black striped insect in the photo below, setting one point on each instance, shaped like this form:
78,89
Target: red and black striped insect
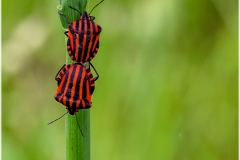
75,86
83,37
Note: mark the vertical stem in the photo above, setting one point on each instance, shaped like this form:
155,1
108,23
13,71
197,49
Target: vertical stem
77,146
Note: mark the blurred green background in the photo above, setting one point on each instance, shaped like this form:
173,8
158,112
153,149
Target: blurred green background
168,86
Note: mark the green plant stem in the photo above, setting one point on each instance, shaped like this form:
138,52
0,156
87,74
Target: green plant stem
77,146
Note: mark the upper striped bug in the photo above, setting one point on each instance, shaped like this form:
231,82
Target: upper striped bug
83,36
75,86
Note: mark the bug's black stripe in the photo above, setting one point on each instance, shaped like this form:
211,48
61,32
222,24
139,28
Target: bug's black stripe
74,75
90,46
88,39
74,106
82,26
70,50
77,52
78,87
74,42
71,29
71,108
67,104
68,88
87,103
64,86
84,43
58,96
95,40
89,22
81,38
72,78
77,25
84,87
81,104
90,55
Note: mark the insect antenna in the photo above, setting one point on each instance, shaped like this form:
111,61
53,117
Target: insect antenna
57,118
96,6
74,9
79,125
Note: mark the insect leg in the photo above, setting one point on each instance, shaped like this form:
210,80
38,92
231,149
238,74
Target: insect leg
95,71
59,72
78,125
66,33
64,17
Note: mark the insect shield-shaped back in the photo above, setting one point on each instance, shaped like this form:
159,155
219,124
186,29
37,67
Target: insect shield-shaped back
75,87
83,38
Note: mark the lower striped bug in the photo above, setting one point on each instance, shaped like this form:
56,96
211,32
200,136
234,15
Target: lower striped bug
75,87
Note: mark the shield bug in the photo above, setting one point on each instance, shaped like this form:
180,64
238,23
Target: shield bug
75,86
83,36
